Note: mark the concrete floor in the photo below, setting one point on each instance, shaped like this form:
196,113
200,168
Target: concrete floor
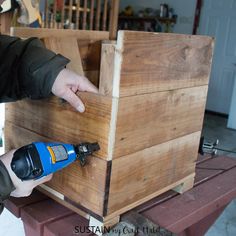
214,128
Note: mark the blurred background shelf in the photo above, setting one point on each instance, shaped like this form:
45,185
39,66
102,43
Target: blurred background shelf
147,23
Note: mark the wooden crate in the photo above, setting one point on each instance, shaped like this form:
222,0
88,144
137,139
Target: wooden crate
147,119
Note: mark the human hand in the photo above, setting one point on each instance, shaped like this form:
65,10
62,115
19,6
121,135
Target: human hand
68,83
23,188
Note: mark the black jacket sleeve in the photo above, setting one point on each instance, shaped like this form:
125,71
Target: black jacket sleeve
27,68
6,185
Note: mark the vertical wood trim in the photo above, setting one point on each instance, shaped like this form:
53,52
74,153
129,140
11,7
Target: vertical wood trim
5,22
91,15
70,12
63,14
114,18
107,68
98,12
54,14
104,18
46,14
77,21
85,14
118,62
112,131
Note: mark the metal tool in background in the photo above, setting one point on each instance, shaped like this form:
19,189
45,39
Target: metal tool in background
211,148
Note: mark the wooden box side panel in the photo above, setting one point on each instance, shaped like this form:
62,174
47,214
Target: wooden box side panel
88,42
84,186
140,176
58,121
90,52
147,120
24,32
148,62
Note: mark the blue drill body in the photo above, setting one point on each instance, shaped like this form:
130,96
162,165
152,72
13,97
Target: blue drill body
40,159
64,155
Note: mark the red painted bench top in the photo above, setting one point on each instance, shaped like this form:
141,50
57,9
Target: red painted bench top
191,213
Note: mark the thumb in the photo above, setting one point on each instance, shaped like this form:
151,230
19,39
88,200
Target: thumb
43,180
74,100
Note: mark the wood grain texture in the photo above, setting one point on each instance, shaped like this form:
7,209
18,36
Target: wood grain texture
24,32
89,45
93,76
104,15
147,117
84,23
90,52
107,68
68,47
143,173
114,14
77,15
79,52
91,15
150,119
86,52
58,121
5,22
83,185
98,15
151,62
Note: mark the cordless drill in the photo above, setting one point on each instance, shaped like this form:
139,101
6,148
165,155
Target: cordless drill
39,159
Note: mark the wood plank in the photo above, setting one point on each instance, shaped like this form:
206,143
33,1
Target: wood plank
143,173
54,16
107,68
114,13
150,119
46,15
84,185
90,52
77,15
70,12
93,76
25,32
89,44
6,22
84,23
62,16
58,121
90,55
91,16
98,13
149,62
67,47
104,17
181,212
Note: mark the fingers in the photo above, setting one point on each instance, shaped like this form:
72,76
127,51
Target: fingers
87,86
74,100
68,83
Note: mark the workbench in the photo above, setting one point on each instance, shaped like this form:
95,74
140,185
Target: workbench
191,213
